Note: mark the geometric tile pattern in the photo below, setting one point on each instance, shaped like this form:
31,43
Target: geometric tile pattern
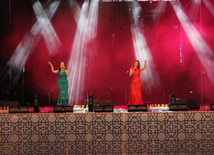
108,133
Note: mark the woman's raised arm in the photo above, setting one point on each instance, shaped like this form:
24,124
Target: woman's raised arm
52,69
144,65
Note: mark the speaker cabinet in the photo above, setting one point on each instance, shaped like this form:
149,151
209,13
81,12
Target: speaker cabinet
181,107
61,109
173,107
9,104
19,109
211,106
103,108
191,103
135,108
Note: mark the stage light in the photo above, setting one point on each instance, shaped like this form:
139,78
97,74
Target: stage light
30,39
203,51
85,33
149,75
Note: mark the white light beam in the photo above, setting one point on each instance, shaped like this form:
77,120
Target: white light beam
28,43
149,76
203,51
85,33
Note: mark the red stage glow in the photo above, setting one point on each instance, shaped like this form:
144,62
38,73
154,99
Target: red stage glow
100,46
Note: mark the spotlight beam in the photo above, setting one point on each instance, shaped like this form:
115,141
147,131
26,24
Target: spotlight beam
28,44
76,59
149,75
203,51
194,10
210,6
159,10
85,33
77,10
51,39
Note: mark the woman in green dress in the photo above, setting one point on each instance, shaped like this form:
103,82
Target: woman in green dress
62,83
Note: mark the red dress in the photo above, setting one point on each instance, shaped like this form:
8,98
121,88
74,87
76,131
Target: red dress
136,91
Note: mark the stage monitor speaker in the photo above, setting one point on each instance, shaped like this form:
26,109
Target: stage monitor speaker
191,103
9,104
20,109
103,108
135,108
211,106
175,107
183,107
61,109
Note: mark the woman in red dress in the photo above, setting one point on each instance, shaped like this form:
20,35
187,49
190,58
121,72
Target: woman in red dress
136,84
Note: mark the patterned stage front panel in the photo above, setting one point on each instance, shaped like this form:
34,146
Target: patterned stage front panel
107,133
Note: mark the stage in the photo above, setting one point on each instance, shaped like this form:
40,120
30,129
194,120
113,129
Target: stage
99,42
118,132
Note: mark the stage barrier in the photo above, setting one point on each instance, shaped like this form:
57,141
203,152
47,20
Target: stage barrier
186,132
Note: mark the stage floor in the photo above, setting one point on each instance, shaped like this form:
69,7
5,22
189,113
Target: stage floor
119,132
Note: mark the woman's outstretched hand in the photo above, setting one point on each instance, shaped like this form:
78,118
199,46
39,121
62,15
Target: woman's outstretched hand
49,63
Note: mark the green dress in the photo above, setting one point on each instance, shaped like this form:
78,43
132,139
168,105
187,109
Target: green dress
63,89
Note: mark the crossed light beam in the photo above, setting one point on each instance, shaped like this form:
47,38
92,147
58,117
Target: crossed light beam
159,10
194,9
203,51
149,75
51,39
209,6
28,43
85,34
